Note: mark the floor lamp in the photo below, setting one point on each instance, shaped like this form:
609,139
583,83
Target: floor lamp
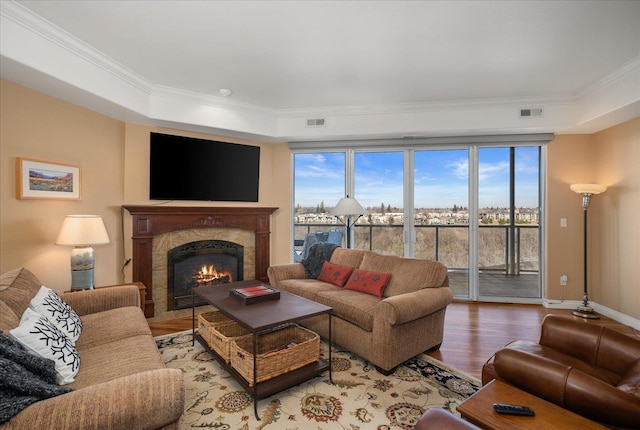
586,190
348,207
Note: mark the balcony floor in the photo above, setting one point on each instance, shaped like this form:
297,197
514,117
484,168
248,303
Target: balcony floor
496,284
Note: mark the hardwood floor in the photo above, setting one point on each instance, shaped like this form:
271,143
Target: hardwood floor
473,331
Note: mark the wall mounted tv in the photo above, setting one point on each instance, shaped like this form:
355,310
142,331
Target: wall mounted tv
184,168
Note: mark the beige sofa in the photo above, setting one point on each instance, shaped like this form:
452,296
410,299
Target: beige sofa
407,320
122,382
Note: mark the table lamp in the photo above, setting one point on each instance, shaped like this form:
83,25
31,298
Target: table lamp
82,231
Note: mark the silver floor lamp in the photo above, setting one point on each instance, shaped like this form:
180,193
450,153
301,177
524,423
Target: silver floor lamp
586,190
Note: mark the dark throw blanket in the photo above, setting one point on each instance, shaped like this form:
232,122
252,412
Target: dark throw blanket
318,254
25,378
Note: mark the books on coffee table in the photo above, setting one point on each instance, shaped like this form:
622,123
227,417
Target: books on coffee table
255,294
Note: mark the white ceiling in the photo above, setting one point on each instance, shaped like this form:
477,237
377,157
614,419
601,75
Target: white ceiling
371,68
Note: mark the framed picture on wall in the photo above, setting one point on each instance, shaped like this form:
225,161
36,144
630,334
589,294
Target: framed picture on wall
37,179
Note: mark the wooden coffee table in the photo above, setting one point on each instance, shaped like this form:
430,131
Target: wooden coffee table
258,318
478,409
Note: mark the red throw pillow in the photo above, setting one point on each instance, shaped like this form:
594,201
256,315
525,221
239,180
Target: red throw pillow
334,274
368,282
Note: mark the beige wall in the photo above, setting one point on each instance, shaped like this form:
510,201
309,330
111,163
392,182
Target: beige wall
37,126
275,183
616,242
114,160
568,162
610,157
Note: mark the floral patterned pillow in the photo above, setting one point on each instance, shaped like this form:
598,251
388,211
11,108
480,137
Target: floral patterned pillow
368,282
49,304
40,336
334,273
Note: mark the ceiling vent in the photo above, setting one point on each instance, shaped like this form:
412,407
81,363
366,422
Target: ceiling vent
316,122
531,113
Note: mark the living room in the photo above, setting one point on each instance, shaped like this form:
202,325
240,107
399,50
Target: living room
113,154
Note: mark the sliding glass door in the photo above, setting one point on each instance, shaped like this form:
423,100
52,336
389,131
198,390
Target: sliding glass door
508,233
441,217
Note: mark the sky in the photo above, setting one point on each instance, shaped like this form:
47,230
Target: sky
441,178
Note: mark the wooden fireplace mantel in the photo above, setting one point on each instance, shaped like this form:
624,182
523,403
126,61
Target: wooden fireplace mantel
149,221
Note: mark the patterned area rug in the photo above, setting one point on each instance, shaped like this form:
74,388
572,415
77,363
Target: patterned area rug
359,398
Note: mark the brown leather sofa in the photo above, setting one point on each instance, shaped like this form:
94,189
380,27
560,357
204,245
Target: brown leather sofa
586,368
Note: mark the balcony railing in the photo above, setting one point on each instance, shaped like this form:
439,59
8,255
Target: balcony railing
501,248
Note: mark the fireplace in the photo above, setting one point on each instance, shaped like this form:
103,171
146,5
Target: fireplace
150,223
201,263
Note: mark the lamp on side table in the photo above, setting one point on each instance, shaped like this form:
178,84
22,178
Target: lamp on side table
82,231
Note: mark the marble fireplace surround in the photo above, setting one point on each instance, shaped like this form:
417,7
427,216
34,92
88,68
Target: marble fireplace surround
193,222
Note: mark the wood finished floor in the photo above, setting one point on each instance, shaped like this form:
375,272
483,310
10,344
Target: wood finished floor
472,333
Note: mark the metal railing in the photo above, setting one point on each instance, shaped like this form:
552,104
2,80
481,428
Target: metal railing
449,244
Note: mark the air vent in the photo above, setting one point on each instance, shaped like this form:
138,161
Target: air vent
531,113
316,122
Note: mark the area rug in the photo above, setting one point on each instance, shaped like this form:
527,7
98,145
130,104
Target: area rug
359,398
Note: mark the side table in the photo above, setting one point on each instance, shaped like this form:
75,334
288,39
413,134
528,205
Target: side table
478,409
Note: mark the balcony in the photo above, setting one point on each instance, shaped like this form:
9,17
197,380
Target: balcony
508,256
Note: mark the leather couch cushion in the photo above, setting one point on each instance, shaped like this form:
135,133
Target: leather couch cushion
531,348
630,382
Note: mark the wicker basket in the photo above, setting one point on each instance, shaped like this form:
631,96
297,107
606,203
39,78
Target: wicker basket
279,351
222,336
208,320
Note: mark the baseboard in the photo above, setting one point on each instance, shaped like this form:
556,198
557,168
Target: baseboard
602,310
561,304
615,315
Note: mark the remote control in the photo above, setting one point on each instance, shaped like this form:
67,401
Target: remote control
503,408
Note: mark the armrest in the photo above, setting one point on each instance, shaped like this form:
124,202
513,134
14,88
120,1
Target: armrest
103,299
411,306
281,272
568,387
147,400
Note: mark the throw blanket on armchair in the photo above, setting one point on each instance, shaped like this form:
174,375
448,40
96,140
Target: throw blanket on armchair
318,254
25,378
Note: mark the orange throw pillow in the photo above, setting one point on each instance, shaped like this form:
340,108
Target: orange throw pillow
368,282
334,274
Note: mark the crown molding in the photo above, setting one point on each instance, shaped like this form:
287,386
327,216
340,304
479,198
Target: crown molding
601,104
626,71
45,29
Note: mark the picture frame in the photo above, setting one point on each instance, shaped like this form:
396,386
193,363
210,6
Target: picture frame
38,179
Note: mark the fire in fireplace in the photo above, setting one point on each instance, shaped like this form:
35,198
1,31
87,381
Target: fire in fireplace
209,275
201,263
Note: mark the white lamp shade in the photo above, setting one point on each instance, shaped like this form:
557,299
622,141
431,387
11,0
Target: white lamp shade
79,230
348,206
588,188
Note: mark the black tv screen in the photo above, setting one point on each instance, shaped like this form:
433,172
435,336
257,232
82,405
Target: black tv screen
184,168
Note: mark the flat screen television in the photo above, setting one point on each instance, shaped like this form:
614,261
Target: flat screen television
184,168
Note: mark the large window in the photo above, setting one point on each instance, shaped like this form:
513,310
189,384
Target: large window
379,183
319,182
471,203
